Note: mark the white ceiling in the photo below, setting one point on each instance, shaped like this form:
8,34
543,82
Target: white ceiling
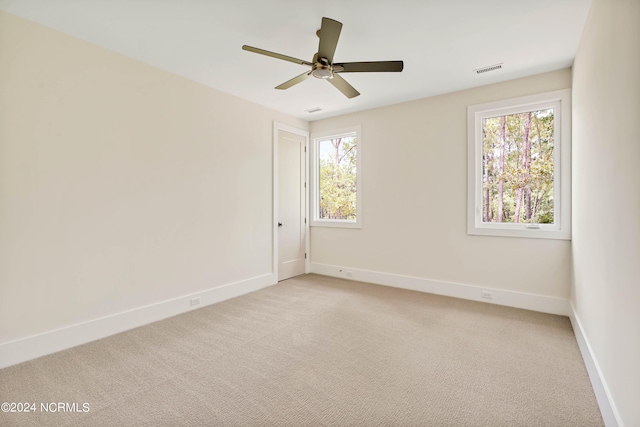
440,41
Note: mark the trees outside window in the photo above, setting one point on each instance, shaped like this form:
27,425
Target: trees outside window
336,179
518,167
519,153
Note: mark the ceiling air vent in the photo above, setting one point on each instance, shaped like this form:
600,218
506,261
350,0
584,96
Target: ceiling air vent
313,110
488,68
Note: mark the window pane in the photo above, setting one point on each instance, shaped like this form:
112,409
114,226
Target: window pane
337,178
517,168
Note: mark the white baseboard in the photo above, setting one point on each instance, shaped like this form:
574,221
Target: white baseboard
608,409
533,302
28,348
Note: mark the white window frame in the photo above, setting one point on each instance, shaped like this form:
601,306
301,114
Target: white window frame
314,169
560,100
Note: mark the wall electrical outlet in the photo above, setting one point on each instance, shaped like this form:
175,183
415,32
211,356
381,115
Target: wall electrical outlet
486,294
194,301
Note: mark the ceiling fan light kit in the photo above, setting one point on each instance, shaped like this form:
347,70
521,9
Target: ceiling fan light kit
322,65
322,70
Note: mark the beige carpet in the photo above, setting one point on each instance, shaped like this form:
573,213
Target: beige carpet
316,351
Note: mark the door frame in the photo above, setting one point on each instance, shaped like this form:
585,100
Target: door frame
277,127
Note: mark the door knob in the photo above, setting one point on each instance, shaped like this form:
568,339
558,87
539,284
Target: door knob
279,224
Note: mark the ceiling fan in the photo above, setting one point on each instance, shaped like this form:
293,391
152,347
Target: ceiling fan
322,65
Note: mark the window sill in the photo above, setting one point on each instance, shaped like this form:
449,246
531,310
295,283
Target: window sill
335,223
519,230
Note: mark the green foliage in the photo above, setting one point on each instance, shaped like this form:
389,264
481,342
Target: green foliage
521,158
337,178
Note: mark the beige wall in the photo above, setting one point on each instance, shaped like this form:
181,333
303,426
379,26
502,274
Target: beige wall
414,185
120,185
606,202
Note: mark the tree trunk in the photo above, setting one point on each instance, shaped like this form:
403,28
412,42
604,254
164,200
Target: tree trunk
486,211
503,121
527,130
525,165
336,146
536,203
516,215
487,199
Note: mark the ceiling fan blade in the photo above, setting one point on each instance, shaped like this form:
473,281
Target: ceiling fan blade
294,81
376,66
329,35
276,55
344,87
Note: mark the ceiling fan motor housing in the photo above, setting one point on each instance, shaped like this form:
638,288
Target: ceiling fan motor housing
322,69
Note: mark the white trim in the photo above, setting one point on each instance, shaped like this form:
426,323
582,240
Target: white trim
560,100
606,403
541,303
277,127
28,348
313,206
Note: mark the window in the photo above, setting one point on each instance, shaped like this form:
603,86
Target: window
519,167
336,196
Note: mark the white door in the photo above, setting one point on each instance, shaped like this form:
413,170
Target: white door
291,204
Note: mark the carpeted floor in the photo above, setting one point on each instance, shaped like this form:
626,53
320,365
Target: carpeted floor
319,351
